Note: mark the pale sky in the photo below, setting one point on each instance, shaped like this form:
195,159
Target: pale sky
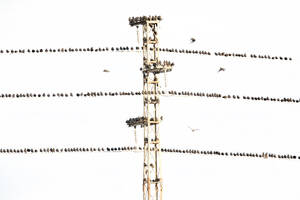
256,26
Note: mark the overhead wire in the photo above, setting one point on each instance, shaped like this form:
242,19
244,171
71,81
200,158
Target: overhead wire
140,93
139,49
263,155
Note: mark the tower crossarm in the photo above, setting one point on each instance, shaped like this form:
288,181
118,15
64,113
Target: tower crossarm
135,21
138,121
161,67
142,121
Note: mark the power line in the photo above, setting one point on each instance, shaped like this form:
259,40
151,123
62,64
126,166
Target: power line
140,49
152,67
171,93
264,155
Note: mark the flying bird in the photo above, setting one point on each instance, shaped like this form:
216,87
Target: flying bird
193,129
106,70
193,40
222,69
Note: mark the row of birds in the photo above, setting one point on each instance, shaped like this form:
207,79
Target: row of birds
252,56
56,150
245,55
133,21
127,48
165,62
136,121
142,121
92,49
171,92
135,148
269,57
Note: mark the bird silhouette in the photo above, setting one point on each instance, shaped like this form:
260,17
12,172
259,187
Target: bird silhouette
222,69
106,70
193,40
193,129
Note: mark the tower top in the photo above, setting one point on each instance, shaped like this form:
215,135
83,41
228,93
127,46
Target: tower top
134,21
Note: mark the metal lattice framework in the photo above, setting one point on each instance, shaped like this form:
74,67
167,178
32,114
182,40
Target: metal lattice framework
152,67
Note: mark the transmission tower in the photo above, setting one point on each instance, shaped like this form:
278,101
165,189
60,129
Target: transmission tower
152,67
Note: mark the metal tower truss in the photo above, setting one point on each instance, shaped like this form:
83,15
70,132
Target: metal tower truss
152,67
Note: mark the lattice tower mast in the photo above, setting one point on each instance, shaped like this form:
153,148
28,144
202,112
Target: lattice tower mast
152,181
152,67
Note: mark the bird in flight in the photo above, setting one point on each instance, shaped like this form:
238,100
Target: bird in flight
222,69
106,70
193,129
193,40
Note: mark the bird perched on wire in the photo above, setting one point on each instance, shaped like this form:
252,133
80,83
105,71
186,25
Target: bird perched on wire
106,70
193,129
193,40
222,69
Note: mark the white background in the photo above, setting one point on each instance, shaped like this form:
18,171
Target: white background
257,26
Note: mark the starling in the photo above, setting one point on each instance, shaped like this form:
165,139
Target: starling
193,129
222,69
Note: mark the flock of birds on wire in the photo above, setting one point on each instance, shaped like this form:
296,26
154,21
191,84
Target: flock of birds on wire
177,93
139,93
244,55
264,155
134,49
